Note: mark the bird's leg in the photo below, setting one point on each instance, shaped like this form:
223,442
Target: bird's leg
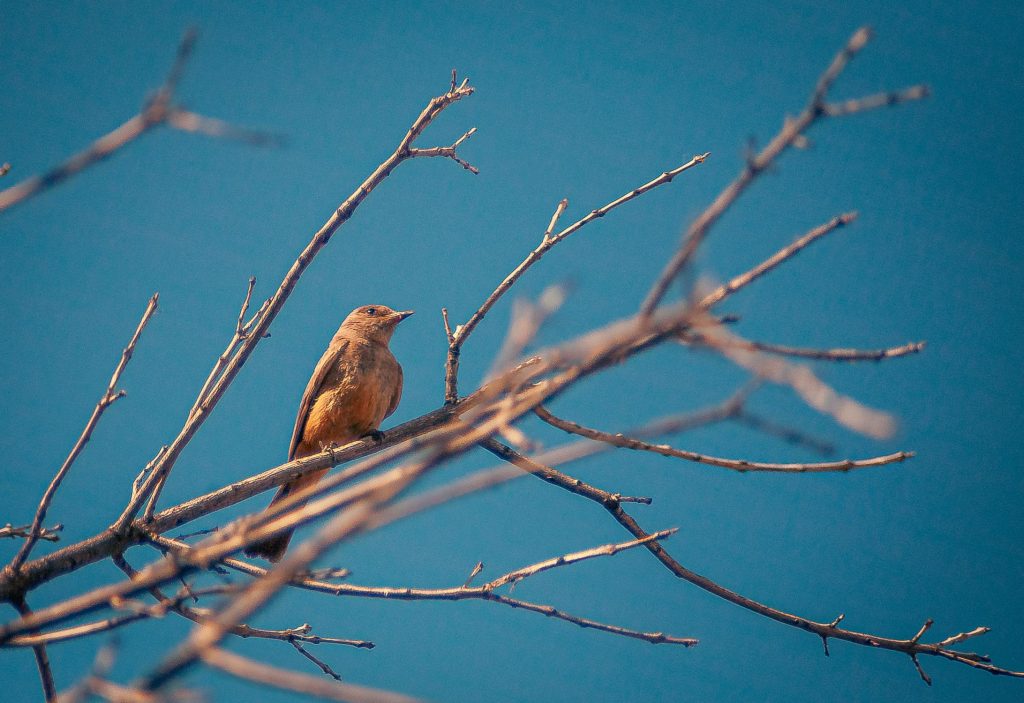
375,435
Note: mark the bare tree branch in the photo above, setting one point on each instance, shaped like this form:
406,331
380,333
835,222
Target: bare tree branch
815,392
198,615
284,679
791,133
472,484
110,395
823,630
383,484
741,465
262,324
818,354
50,534
788,252
41,656
462,332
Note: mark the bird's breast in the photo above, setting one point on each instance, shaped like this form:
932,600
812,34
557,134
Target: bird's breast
354,397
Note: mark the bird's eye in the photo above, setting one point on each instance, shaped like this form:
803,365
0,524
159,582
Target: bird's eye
371,311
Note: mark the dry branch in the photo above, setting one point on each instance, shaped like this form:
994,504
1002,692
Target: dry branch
823,630
457,338
110,395
792,133
42,657
276,677
381,487
817,354
158,110
49,534
741,465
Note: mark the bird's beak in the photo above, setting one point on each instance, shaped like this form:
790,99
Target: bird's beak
402,315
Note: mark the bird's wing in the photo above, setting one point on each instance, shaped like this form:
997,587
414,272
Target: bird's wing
397,394
328,360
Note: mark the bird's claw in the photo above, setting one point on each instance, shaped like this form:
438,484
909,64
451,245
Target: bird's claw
375,435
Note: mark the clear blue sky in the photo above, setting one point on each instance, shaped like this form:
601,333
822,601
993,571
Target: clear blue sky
578,103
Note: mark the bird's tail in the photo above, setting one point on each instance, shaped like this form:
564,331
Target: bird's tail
273,548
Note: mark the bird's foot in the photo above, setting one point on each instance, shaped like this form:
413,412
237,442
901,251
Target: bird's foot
328,446
375,435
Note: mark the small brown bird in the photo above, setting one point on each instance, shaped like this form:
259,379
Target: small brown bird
356,384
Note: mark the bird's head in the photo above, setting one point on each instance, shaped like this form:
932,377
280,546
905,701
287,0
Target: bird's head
373,322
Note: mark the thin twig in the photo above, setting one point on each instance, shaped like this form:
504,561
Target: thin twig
818,354
741,465
792,133
321,664
514,577
241,332
50,534
449,152
41,656
799,244
110,395
199,615
462,332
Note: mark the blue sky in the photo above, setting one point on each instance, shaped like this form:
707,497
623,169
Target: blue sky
583,103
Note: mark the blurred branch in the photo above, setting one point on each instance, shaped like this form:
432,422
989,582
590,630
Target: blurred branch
284,679
158,110
487,591
815,392
198,615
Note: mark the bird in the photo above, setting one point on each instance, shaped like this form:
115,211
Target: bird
356,385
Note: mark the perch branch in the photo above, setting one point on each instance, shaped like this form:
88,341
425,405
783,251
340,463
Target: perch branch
269,313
